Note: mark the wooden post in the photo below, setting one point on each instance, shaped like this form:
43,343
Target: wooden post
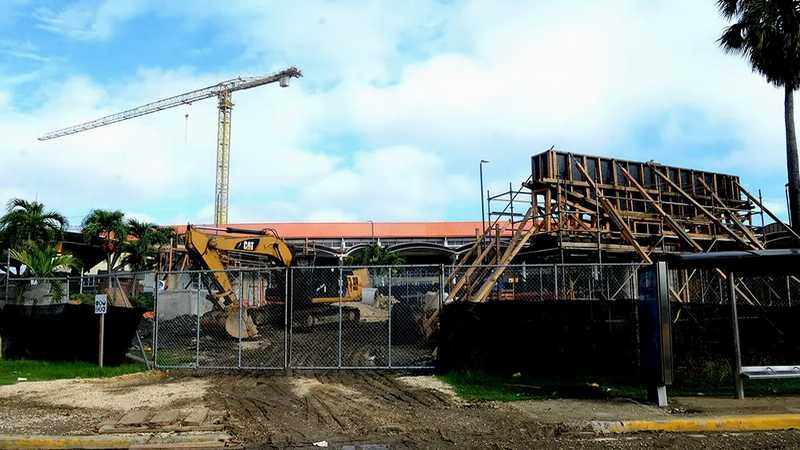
746,231
615,216
737,351
769,213
101,339
702,208
679,231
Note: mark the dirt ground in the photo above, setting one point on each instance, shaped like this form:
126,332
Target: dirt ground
388,411
81,406
361,410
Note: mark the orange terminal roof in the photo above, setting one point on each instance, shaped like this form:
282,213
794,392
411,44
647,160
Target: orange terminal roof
385,230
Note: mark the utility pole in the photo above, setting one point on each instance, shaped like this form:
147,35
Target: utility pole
483,212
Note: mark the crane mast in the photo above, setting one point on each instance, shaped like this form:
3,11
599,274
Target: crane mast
222,91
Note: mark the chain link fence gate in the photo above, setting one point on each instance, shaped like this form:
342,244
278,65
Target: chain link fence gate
304,318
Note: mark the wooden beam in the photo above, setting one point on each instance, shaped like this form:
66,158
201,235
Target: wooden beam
614,215
473,265
669,219
746,231
464,258
769,213
697,205
520,238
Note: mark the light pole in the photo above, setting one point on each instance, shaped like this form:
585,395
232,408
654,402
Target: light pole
483,213
372,229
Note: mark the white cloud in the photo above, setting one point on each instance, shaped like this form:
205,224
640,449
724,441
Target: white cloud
422,90
89,20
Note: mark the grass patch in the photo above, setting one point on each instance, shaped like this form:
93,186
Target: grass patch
752,388
175,357
35,370
478,386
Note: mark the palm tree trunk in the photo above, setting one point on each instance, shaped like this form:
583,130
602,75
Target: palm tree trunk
791,159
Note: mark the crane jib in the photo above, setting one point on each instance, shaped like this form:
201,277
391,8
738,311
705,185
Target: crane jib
231,85
221,90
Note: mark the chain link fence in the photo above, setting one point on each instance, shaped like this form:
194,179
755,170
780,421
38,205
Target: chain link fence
301,317
708,286
347,317
542,282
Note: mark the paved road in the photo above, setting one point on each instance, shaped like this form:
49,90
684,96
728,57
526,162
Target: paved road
760,440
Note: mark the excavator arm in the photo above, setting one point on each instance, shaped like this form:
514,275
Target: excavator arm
208,250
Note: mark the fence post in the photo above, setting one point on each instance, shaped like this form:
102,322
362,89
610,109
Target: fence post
241,295
441,284
702,287
155,318
737,352
789,289
555,280
66,296
197,331
339,352
80,282
390,315
286,318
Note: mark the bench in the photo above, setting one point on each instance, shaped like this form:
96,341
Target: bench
770,372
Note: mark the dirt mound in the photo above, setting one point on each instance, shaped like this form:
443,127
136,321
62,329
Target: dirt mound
362,408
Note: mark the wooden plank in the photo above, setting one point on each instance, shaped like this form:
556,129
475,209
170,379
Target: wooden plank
478,240
135,417
769,213
453,293
702,208
670,221
615,217
508,255
196,416
746,231
166,417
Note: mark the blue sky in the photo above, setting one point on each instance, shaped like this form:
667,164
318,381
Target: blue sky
398,103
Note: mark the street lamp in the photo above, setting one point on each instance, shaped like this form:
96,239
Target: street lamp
483,213
372,229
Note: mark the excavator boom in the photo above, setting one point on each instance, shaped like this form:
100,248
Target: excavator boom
208,249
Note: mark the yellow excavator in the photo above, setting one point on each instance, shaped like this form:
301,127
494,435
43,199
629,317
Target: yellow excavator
211,252
215,252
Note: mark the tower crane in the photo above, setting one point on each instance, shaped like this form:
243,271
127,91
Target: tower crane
222,91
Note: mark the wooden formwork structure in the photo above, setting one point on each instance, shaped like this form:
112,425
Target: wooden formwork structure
582,208
631,208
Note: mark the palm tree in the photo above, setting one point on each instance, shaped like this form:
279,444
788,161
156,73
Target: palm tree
767,34
374,255
43,261
27,221
141,252
110,230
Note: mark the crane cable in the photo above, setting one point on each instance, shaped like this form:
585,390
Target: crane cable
186,125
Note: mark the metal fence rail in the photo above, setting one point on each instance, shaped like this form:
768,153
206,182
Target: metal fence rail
347,317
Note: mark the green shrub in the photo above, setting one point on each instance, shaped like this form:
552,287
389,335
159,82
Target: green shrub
83,299
144,301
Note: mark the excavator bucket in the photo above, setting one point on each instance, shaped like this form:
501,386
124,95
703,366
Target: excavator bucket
245,329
